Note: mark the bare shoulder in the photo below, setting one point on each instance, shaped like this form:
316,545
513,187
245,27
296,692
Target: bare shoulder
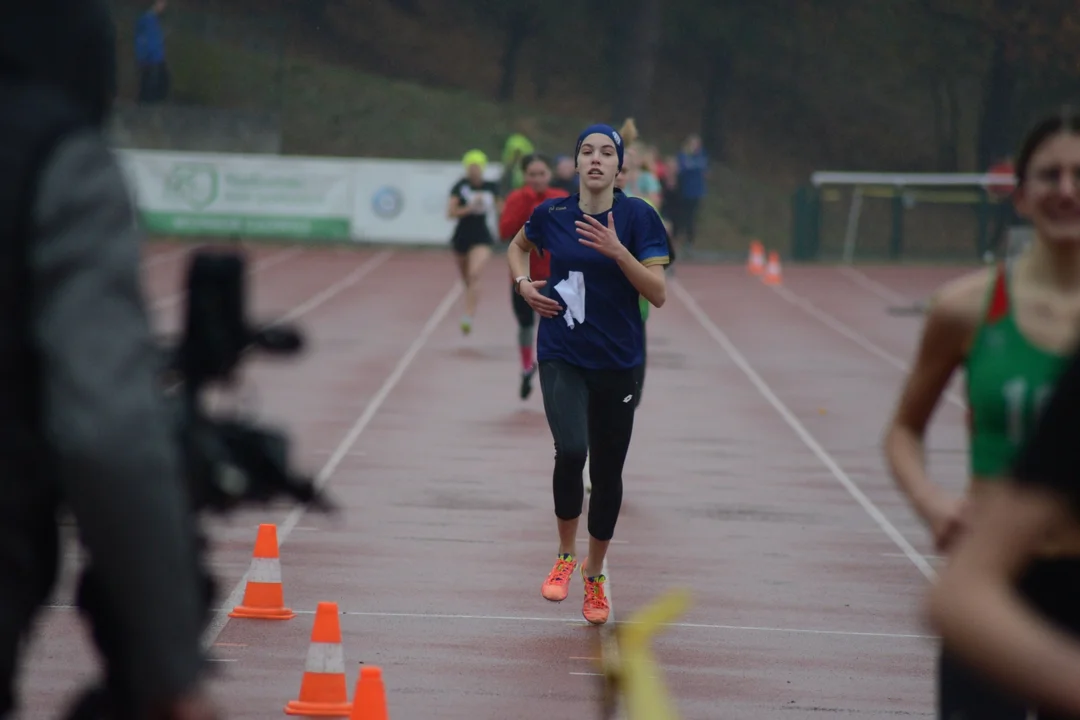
961,302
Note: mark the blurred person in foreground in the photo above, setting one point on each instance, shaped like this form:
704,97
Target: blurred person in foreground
1001,604
1011,328
85,422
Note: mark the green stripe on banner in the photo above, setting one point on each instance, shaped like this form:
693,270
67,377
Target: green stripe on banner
323,228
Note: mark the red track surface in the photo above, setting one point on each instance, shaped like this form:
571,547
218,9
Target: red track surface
756,479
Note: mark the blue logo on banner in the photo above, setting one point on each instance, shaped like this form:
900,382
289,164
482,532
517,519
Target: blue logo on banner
387,202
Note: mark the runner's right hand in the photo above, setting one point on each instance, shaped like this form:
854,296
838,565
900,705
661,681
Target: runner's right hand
948,520
543,305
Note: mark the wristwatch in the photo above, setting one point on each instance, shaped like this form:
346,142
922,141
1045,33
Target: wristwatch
517,282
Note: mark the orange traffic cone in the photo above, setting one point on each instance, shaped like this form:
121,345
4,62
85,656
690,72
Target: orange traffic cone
755,264
369,700
772,270
322,690
264,597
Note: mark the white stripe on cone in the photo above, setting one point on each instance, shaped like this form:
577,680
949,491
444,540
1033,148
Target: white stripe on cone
325,658
265,570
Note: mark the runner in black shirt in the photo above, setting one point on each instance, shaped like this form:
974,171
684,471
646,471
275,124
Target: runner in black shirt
472,200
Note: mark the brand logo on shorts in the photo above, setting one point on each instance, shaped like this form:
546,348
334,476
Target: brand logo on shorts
628,398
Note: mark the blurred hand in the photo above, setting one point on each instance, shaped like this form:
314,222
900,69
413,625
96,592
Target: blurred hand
543,305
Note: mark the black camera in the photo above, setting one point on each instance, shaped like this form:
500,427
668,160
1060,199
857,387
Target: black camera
228,462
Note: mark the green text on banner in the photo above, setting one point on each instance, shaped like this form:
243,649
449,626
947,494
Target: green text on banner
219,194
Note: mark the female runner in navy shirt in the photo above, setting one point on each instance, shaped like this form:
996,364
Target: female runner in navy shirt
606,250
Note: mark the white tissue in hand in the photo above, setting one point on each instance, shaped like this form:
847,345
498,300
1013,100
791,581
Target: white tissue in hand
572,291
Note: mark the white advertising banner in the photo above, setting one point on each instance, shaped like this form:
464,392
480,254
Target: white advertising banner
249,195
365,200
404,201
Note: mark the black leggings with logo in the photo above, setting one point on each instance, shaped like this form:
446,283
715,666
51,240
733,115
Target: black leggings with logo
591,415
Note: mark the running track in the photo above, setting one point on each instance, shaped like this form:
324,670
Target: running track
755,478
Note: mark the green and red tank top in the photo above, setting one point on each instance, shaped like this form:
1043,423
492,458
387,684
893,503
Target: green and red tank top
1008,381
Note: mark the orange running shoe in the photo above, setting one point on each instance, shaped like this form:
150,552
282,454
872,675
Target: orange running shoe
596,607
558,580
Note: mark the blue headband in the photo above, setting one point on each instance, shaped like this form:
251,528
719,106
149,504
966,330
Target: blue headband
603,130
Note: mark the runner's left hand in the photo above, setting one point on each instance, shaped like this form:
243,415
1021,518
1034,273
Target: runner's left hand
601,238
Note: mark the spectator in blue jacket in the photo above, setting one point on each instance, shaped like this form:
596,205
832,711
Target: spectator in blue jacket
693,166
150,55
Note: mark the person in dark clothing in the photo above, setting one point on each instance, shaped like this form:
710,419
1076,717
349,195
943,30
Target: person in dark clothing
86,425
150,55
607,250
693,169
472,200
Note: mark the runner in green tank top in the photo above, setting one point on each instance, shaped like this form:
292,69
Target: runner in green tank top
1009,379
1010,329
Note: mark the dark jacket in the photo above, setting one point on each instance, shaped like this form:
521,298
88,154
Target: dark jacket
84,424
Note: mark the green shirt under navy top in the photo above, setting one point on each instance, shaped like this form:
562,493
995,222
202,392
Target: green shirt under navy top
611,336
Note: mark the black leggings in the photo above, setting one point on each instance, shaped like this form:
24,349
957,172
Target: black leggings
591,414
965,695
641,370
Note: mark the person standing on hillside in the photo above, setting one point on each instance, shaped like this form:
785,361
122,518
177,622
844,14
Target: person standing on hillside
150,55
693,172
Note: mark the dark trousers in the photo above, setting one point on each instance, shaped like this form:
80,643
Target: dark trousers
688,211
29,560
591,415
154,83
965,695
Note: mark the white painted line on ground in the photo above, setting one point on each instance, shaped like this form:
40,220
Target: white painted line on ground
883,291
258,266
341,285
582,621
815,447
221,618
855,336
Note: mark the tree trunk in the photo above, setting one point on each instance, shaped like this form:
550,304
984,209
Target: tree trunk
952,138
518,29
635,45
717,91
946,122
999,90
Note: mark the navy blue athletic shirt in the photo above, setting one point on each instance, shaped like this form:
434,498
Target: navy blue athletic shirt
611,337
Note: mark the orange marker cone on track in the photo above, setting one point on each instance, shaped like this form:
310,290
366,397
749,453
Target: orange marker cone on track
264,596
323,692
369,700
772,270
755,264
